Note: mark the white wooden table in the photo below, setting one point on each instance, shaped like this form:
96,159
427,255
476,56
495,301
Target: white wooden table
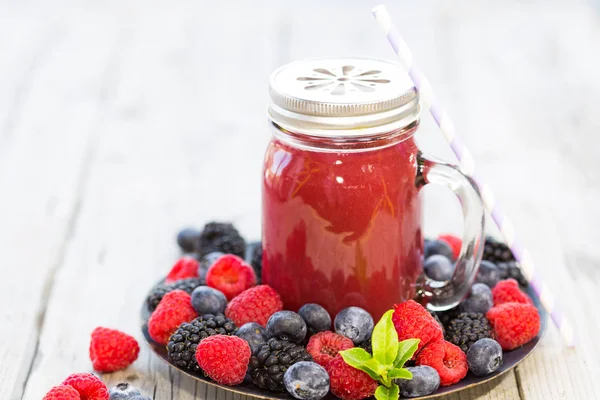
122,121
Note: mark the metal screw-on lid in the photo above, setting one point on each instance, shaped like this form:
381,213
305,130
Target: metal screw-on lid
342,96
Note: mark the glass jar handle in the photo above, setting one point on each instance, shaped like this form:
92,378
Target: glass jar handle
444,295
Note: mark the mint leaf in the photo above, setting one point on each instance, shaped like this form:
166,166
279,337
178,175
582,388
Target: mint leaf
384,393
385,340
358,358
406,349
400,373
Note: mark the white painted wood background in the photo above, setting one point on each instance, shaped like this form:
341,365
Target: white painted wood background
122,121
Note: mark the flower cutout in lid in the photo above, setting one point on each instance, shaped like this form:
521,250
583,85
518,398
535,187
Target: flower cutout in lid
348,79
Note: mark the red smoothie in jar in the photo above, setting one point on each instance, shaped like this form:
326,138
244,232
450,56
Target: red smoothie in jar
343,228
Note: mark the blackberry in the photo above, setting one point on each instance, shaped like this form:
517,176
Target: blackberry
467,328
222,237
496,252
156,295
182,344
512,270
446,316
272,360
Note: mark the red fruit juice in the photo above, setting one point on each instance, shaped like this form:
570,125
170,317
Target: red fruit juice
342,228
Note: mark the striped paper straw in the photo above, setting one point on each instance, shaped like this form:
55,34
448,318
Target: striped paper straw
467,165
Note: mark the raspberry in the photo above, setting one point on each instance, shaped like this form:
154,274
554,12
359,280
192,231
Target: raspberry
454,242
412,320
224,358
447,359
174,309
508,291
514,324
256,304
231,275
349,383
325,346
62,393
112,350
185,267
89,386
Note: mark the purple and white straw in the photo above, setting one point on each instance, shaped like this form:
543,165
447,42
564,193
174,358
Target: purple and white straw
467,165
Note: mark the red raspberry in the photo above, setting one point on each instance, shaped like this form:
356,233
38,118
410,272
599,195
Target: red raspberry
174,309
89,386
62,393
224,358
349,383
507,291
447,359
112,350
185,267
514,324
454,242
231,275
325,346
412,320
256,304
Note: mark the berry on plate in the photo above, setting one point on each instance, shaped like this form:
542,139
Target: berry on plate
62,393
306,380
454,242
187,238
349,383
425,380
496,252
184,341
185,267
412,320
286,325
272,360
256,304
484,357
488,273
207,300
480,299
355,323
112,350
159,291
508,291
325,346
174,309
231,275
89,386
124,391
467,328
223,237
438,267
437,247
514,324
512,270
254,334
447,359
316,317
224,358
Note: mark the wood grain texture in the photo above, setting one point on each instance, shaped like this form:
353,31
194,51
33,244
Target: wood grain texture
121,124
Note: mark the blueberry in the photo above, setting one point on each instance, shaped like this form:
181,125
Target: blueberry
484,357
207,261
207,300
480,299
254,334
316,317
425,381
306,380
123,391
354,323
186,239
286,325
438,267
438,247
488,273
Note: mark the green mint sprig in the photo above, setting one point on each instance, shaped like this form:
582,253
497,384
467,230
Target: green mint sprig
389,357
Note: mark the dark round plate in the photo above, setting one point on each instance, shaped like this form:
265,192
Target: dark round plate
511,360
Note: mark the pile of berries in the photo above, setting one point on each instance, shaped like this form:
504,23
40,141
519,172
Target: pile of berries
215,318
